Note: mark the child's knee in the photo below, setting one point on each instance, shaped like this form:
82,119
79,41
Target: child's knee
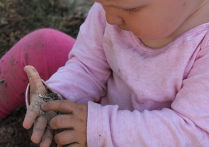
50,40
43,39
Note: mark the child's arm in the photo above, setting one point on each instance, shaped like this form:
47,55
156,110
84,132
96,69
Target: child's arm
71,79
84,76
186,123
82,79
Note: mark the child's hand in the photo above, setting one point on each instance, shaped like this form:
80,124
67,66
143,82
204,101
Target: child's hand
73,121
41,132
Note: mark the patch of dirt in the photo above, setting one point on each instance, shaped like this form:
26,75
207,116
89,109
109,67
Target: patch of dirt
20,17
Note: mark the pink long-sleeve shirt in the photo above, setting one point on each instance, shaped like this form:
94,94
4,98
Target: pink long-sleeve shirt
138,96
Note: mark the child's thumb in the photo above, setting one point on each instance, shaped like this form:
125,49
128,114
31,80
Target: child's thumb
36,85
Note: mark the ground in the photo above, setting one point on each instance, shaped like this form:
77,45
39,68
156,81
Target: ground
20,17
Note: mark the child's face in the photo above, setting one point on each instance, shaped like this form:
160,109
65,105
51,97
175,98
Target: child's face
149,19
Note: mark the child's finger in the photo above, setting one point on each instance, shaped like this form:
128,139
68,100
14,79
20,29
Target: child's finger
63,122
68,137
64,106
38,129
31,114
40,126
47,137
36,85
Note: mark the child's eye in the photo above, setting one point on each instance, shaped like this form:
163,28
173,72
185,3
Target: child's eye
129,10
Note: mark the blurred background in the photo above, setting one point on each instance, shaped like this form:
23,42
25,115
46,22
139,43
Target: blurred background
20,17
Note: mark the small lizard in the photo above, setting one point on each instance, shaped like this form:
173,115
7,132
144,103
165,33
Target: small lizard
50,96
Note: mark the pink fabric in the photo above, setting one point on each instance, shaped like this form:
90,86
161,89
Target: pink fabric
138,96
40,49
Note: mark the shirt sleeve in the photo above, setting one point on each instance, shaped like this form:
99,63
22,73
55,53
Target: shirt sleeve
84,76
185,124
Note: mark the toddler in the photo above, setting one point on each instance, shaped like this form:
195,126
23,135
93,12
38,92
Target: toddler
137,75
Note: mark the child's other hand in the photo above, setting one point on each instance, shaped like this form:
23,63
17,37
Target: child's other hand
73,121
41,132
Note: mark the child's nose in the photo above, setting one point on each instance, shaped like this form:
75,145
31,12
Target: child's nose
114,19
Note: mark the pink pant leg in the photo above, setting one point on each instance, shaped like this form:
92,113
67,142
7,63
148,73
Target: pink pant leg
45,49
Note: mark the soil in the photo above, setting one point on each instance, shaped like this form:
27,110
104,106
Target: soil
20,17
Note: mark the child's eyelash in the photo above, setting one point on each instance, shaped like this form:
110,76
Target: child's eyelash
129,10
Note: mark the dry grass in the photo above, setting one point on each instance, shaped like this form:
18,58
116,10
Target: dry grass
19,17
